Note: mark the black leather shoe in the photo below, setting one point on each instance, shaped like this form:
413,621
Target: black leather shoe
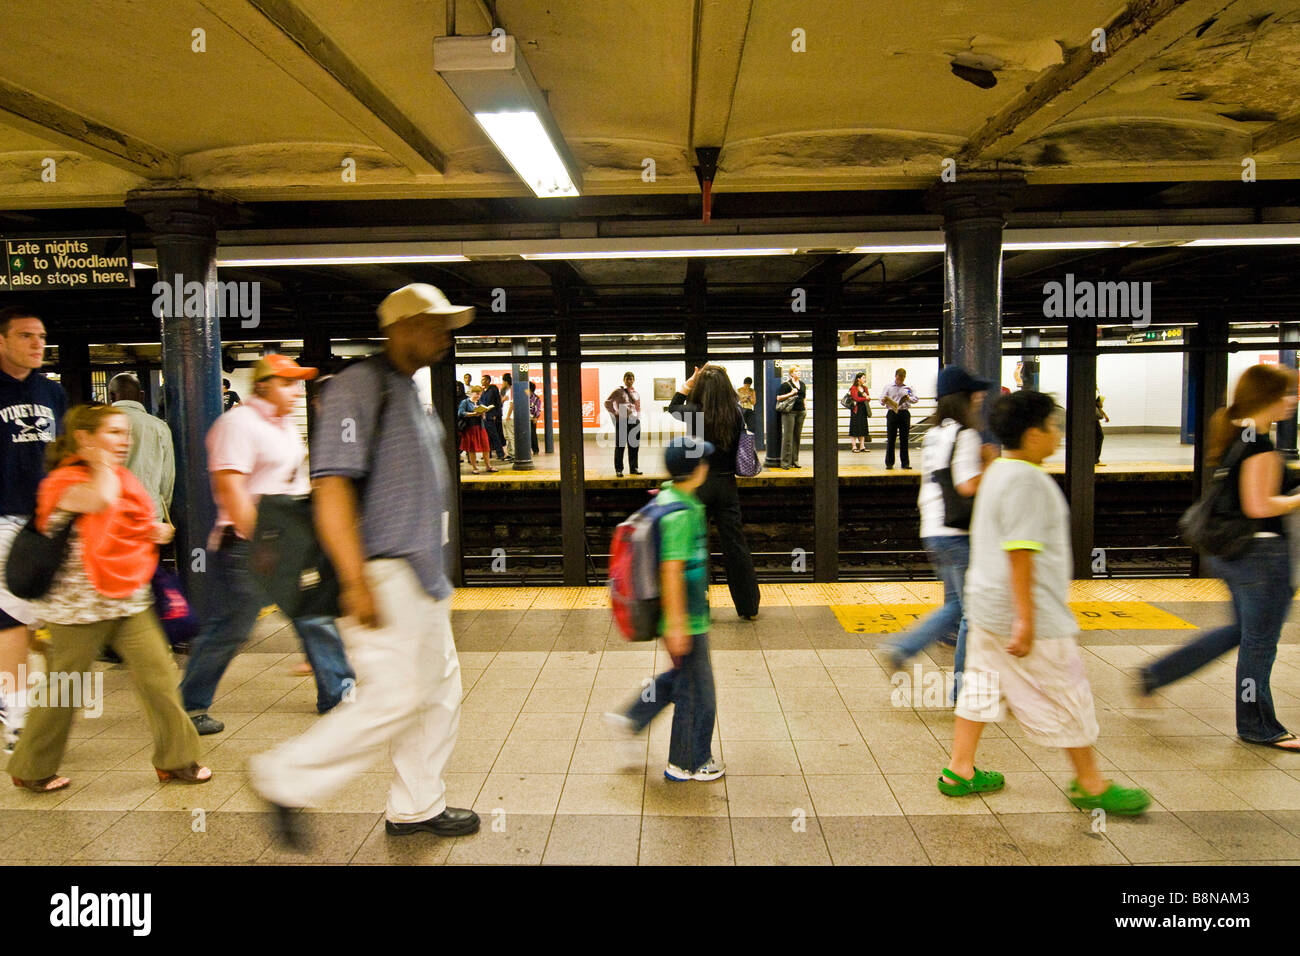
637,472
206,725
287,828
451,822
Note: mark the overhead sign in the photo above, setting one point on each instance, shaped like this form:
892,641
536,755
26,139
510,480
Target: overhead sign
1155,335
100,262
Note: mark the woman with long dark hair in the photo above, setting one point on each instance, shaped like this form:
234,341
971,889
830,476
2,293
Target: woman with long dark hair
951,452
1259,578
101,597
859,424
711,410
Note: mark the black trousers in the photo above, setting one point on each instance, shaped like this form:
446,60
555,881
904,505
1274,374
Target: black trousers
496,437
1100,436
721,501
897,425
628,437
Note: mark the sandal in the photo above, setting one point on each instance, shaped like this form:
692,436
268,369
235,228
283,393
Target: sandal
492,470
474,471
981,781
191,774
1275,744
48,785
1122,801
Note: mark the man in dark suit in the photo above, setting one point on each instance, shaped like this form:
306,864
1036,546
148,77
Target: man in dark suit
492,399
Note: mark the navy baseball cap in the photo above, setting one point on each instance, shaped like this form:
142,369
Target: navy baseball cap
954,379
684,454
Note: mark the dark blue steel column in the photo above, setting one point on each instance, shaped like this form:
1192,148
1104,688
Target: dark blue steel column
522,424
548,422
1029,339
758,416
974,212
1286,428
184,226
767,407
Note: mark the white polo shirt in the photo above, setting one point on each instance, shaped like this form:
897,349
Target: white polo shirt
267,448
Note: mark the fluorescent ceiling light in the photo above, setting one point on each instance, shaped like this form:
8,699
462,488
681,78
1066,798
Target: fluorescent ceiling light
1246,241
528,149
335,260
655,254
1067,244
921,247
491,78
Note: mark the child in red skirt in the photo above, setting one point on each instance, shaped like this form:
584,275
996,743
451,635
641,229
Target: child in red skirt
473,436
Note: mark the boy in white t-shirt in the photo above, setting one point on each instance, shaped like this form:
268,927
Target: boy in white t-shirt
1021,651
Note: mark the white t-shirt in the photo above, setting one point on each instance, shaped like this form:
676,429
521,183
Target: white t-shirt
1019,507
936,446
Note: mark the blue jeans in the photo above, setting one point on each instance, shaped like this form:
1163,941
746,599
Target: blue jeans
950,556
236,599
1260,583
689,688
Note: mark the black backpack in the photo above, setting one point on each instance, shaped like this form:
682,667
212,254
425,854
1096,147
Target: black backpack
1216,524
34,559
957,508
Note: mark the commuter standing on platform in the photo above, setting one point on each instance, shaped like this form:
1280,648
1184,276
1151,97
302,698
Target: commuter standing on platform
492,420
747,397
508,414
31,412
624,407
899,399
1021,648
1261,488
792,418
1101,417
683,623
707,405
534,411
387,540
473,436
152,458
950,455
253,450
859,420
100,597
229,397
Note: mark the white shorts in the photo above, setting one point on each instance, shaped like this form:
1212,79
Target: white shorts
16,608
1046,691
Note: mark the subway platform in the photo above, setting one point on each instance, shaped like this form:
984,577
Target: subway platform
829,760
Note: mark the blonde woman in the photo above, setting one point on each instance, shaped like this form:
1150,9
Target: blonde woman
101,597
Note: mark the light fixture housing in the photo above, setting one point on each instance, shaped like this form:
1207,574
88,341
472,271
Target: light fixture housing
491,78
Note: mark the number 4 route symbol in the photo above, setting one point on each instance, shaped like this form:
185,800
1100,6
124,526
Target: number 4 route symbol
18,262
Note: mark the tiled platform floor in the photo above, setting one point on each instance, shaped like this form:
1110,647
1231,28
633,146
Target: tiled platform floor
821,766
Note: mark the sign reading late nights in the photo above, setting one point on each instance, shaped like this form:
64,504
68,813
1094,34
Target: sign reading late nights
100,262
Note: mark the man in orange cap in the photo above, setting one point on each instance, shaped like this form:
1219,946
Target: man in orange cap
253,450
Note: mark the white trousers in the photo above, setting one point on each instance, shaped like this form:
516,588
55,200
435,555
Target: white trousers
406,704
16,608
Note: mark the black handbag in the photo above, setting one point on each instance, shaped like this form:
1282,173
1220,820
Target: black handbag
1215,524
957,508
34,560
286,553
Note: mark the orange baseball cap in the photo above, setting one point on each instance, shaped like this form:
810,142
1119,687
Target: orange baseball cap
281,366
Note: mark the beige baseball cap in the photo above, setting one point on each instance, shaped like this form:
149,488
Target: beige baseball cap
419,298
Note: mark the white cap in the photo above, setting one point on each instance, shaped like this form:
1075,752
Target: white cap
419,298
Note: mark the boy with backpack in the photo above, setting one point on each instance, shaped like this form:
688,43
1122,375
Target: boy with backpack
1020,643
683,620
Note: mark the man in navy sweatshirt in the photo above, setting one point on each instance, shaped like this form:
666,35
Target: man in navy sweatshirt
31,415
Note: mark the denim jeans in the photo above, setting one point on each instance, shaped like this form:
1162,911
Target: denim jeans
236,598
689,688
950,555
1260,583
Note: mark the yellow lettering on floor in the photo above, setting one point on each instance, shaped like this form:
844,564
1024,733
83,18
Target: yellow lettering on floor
1125,616
1091,615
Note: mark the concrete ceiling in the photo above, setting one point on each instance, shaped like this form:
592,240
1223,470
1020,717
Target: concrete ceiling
286,90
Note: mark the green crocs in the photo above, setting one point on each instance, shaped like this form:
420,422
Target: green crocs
981,781
1121,801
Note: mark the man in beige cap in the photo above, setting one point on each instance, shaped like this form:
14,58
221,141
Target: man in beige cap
253,450
379,473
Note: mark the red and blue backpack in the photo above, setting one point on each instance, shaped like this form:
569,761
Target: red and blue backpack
634,571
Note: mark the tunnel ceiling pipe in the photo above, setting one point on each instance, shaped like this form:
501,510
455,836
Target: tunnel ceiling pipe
704,172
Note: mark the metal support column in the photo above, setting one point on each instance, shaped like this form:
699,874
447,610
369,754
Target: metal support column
548,421
826,445
1081,440
1209,385
772,380
74,368
573,499
184,226
758,417
522,424
1286,428
1029,367
697,333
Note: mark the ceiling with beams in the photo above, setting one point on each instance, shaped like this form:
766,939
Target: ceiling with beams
828,95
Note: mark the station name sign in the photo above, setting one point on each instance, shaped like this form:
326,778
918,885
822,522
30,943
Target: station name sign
99,262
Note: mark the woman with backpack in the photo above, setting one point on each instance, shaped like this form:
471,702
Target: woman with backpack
101,597
952,461
710,408
1257,491
859,423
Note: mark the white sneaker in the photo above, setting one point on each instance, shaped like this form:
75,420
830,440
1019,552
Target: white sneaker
620,723
710,771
